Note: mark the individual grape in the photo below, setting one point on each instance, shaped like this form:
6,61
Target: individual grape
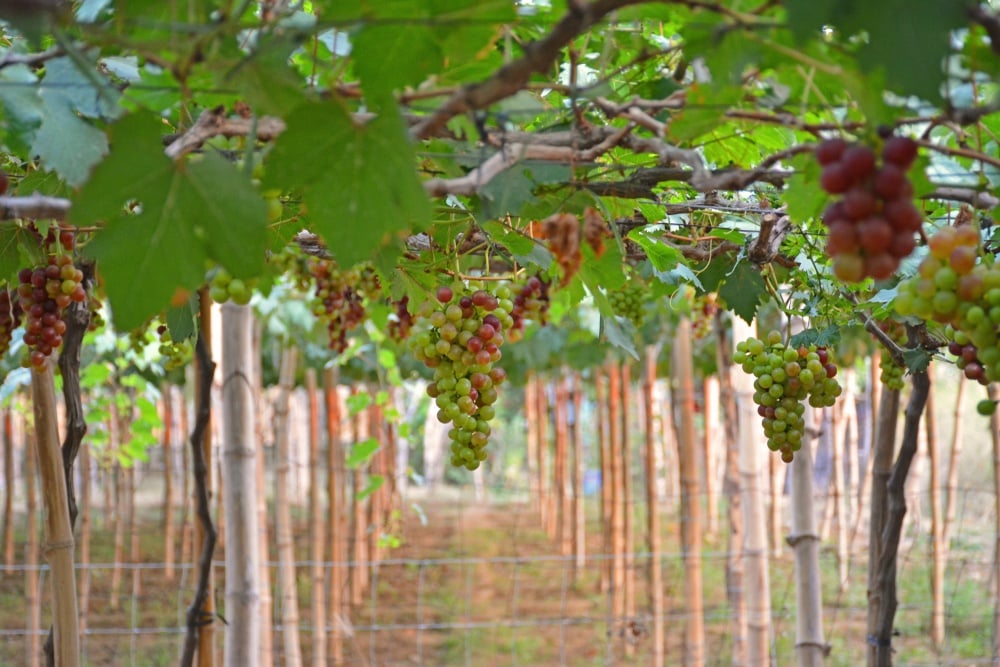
222,287
785,377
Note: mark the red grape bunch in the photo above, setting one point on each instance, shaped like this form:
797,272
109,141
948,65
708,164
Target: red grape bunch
530,303
10,319
703,315
459,336
43,293
340,296
872,227
785,377
401,321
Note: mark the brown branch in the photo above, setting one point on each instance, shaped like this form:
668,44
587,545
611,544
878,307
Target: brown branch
976,198
31,59
214,123
958,151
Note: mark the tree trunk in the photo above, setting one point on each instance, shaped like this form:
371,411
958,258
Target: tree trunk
239,477
579,467
710,388
169,527
335,521
32,590
752,466
883,450
804,540
59,531
317,538
682,368
731,489
8,478
287,591
653,541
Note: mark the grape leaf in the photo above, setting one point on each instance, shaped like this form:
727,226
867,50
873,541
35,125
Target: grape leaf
375,483
362,452
358,182
820,337
917,359
743,290
187,213
621,334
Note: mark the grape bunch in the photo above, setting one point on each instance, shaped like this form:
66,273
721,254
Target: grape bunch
340,297
10,319
292,262
891,373
459,336
530,303
627,303
176,354
704,310
871,228
785,377
401,321
43,293
954,285
223,287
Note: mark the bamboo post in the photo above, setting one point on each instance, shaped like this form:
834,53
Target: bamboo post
607,479
579,467
118,484
839,490
951,501
287,590
531,449
546,462
628,522
32,589
752,467
266,610
317,538
358,526
994,394
239,488
85,530
59,531
731,488
710,390
682,368
810,645
938,550
169,526
776,491
564,516
617,493
653,539
851,450
335,522
874,409
8,478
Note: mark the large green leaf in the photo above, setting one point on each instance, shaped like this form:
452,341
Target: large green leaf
185,214
359,182
743,290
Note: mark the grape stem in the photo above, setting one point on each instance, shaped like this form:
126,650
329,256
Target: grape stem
894,350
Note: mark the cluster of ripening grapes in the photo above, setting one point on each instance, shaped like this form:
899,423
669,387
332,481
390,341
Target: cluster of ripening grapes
627,303
402,320
459,337
785,377
10,319
44,292
340,297
222,287
872,227
953,287
891,373
703,314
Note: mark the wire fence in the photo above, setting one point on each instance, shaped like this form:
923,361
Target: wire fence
480,583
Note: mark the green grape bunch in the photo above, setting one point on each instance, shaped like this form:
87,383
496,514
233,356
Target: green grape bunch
458,334
786,378
627,303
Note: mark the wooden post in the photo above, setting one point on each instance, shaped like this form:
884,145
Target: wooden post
531,453
358,542
628,519
8,478
682,368
951,501
169,525
731,488
85,530
938,550
653,540
32,589
752,466
287,589
59,532
317,538
564,516
579,467
994,394
335,522
804,540
607,478
617,493
710,391
546,467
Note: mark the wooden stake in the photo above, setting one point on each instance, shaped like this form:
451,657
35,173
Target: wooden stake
318,538
335,521
169,548
653,540
32,589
